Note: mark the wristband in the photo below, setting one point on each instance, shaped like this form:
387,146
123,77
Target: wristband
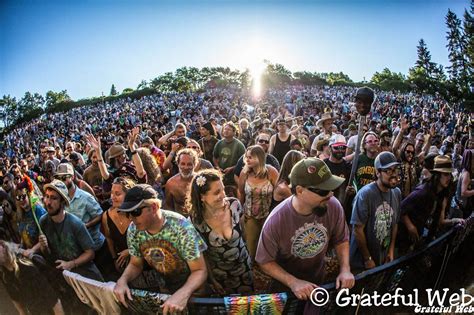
133,152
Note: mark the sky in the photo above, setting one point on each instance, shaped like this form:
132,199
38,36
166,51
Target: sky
86,46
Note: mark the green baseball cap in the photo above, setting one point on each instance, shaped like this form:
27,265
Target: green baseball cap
314,173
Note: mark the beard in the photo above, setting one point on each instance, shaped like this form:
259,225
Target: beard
186,176
54,212
338,155
392,183
320,210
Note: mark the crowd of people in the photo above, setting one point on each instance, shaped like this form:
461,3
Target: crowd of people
192,193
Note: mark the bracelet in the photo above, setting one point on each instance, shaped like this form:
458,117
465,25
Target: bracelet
133,152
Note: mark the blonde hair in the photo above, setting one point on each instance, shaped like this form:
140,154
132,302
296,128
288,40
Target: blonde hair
257,151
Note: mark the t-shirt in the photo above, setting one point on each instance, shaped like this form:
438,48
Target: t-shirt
227,154
27,227
365,172
343,170
298,243
168,250
379,212
68,240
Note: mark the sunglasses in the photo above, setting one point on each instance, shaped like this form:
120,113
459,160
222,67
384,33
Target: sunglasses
409,152
263,141
21,197
136,213
193,147
320,192
339,148
63,177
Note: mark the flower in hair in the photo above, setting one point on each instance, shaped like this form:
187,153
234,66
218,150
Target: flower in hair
200,180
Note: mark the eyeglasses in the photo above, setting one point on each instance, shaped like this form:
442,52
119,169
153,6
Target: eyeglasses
391,171
263,141
63,177
20,197
320,192
136,213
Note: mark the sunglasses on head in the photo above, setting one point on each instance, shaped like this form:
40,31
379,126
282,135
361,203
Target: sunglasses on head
21,197
135,213
320,192
62,177
263,141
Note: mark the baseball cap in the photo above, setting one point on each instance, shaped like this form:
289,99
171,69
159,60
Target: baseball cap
136,196
60,188
64,169
385,160
337,140
314,173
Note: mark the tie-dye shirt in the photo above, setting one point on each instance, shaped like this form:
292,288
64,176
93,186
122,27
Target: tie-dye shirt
168,250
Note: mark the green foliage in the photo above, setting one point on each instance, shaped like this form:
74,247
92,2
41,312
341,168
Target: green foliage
113,90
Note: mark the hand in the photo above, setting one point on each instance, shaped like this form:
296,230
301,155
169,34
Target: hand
175,147
413,234
175,303
65,265
120,290
404,124
345,280
457,221
94,142
122,258
217,287
27,253
350,190
369,264
302,289
228,170
43,242
389,257
132,137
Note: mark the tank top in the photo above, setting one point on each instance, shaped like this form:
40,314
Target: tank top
119,239
281,148
258,199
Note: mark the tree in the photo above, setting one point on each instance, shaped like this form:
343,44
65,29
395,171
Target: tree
127,90
143,85
388,80
113,90
54,98
468,25
426,76
30,105
458,68
8,110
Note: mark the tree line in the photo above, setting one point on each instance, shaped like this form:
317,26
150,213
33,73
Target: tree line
455,83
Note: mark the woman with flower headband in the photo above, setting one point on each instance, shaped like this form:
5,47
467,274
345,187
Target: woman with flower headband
218,220
29,211
256,183
22,280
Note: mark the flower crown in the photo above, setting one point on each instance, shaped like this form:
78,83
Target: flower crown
201,180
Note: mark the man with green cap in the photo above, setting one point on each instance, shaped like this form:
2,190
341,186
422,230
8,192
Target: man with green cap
301,229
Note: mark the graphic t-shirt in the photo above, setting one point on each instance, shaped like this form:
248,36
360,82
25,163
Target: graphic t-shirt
228,153
168,250
27,227
365,172
298,243
379,212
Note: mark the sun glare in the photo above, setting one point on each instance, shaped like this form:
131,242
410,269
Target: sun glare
256,72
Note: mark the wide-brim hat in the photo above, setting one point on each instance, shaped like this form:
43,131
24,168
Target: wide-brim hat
443,164
116,150
60,188
324,117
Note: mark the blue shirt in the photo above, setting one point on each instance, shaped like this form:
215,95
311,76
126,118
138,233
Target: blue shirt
85,207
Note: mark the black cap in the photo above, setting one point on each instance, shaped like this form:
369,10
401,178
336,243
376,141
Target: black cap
136,196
